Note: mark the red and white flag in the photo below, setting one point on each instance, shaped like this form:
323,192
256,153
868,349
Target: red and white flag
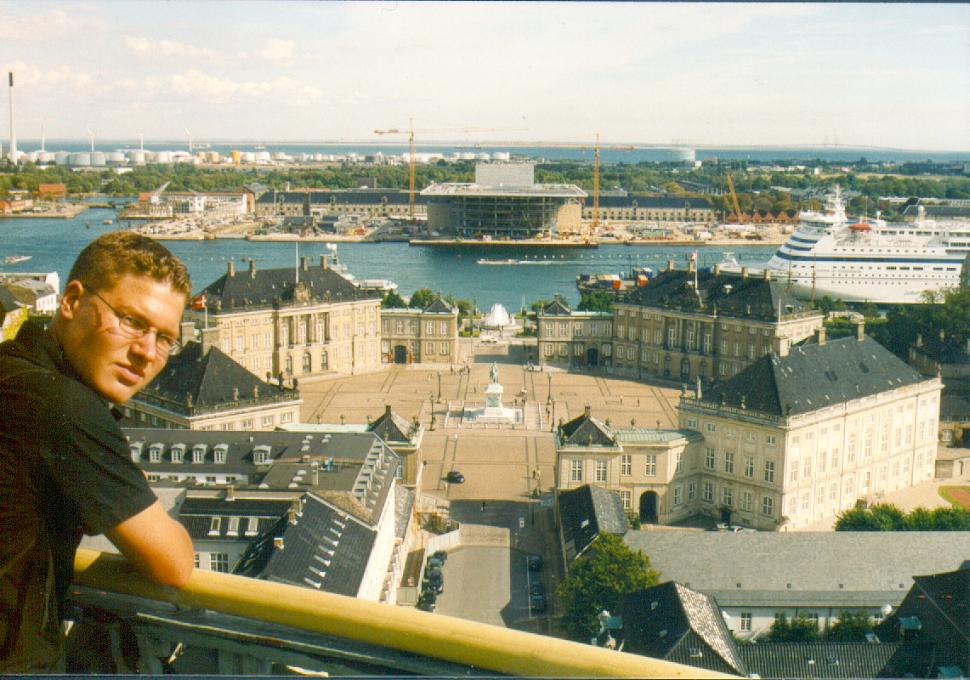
198,302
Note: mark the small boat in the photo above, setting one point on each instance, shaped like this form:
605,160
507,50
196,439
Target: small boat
14,259
109,221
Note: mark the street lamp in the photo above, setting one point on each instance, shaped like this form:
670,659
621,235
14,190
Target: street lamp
431,404
549,394
439,387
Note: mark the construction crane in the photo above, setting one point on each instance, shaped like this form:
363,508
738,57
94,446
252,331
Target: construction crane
410,133
596,167
734,198
155,197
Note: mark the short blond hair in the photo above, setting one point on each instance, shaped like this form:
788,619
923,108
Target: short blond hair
113,255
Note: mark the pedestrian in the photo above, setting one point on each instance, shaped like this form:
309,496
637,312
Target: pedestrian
483,506
65,467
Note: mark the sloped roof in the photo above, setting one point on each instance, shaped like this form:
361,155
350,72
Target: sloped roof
766,565
814,376
587,512
658,622
8,302
255,288
392,428
325,549
949,594
728,294
585,430
196,516
440,306
557,308
818,659
210,378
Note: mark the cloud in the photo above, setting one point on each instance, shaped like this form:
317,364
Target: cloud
213,89
45,25
148,47
275,49
48,79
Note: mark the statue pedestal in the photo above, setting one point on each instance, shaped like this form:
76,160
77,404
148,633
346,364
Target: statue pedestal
493,400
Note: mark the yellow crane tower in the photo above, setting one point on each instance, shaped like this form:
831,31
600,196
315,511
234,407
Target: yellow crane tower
410,133
734,198
596,167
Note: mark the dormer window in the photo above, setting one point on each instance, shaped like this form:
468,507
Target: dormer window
221,451
136,452
261,454
215,526
155,453
178,451
198,453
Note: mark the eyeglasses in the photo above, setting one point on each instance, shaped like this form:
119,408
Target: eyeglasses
136,328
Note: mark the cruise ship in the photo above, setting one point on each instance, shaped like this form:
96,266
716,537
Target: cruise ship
863,260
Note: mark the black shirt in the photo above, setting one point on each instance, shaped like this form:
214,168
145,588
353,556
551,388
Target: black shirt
65,470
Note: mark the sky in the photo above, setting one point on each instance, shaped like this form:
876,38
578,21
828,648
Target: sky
746,74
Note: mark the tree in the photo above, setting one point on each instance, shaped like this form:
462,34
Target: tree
595,301
850,628
422,297
393,300
796,629
885,517
597,579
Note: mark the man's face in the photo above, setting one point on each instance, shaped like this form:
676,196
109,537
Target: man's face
109,361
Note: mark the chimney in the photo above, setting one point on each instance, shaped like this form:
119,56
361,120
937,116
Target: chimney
744,402
767,274
209,337
306,263
691,265
697,389
860,330
820,335
230,493
255,391
252,268
291,515
232,267
387,410
587,410
278,543
235,394
744,273
187,332
670,265
783,347
324,262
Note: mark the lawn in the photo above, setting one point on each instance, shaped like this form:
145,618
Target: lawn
957,495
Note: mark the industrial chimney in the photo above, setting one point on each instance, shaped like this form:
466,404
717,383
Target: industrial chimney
13,134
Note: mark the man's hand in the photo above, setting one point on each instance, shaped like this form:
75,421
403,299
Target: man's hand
157,544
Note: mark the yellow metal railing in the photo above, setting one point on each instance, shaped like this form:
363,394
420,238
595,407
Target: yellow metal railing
432,635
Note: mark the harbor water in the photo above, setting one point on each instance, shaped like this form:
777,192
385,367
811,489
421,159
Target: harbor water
537,273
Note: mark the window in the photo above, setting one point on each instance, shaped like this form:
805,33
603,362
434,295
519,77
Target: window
729,462
219,562
215,526
252,526
220,453
650,470
727,496
707,492
267,421
746,621
155,454
680,461
178,450
210,479
749,466
746,499
691,490
710,427
678,495
627,499
601,471
771,440
576,470
767,506
769,471
198,453
692,423
709,457
626,464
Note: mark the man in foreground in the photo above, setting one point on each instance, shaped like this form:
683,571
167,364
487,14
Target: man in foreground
65,468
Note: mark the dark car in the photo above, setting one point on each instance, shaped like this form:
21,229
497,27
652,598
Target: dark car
535,562
427,601
440,555
454,477
536,588
537,603
434,580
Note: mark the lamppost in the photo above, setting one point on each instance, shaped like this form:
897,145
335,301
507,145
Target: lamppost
431,404
549,394
439,387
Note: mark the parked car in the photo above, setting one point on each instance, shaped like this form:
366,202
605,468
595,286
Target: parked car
440,555
427,602
537,603
454,477
536,588
435,562
434,580
535,562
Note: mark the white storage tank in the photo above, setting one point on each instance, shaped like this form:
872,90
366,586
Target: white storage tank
46,157
262,156
467,156
29,157
482,157
136,157
212,156
683,154
501,156
163,156
248,157
116,158
80,159
99,159
62,157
